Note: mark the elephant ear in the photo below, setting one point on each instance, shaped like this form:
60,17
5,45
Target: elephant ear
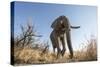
55,23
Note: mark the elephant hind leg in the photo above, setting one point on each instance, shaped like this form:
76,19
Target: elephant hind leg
59,52
63,45
54,49
63,52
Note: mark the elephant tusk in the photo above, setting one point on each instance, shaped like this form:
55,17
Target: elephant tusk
75,27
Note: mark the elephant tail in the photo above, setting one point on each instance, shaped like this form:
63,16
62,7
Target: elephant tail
75,27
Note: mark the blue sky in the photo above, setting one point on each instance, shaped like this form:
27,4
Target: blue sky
42,16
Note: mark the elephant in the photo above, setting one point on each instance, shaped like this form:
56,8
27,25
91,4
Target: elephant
61,29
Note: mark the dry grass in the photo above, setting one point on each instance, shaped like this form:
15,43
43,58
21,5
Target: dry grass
88,53
35,56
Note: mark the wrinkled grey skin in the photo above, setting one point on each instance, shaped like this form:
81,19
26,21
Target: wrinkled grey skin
60,27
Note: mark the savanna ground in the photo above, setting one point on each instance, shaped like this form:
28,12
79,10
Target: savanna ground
26,51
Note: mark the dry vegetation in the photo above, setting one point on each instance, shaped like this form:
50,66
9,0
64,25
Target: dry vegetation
27,52
88,53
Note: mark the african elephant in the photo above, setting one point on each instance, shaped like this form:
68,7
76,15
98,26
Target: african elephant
60,27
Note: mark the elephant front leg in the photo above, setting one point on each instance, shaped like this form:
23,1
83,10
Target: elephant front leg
58,47
69,44
52,38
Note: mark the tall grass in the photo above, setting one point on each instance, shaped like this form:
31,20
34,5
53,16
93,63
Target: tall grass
34,55
88,53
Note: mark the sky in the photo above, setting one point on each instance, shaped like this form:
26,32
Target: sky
43,14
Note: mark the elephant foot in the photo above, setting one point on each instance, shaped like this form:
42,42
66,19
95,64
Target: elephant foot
59,54
71,56
63,52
